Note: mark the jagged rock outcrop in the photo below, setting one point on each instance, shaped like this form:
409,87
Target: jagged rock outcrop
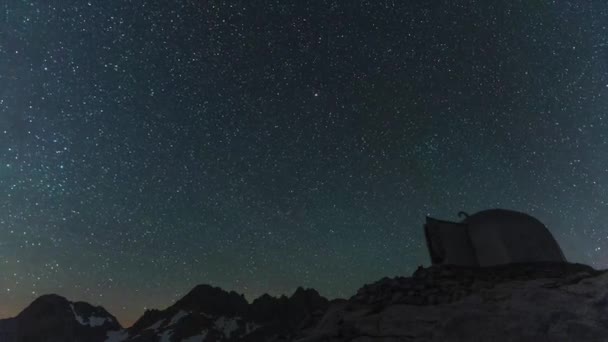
211,314
284,319
517,302
52,318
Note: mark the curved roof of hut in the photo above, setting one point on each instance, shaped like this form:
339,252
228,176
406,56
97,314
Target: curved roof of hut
502,215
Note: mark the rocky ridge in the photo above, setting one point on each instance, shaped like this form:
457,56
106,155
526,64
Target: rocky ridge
447,284
516,302
211,314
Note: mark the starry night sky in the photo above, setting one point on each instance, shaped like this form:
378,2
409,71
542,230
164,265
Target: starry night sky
149,146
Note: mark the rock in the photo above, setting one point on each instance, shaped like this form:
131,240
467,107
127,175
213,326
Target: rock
502,303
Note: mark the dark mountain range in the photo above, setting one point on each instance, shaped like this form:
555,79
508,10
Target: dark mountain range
211,314
204,314
548,301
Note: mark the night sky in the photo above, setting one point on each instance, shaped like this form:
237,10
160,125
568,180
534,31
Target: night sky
149,146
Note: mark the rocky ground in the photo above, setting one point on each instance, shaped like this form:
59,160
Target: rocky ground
520,302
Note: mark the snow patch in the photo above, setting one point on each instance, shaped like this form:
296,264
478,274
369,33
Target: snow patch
97,321
156,325
166,336
197,338
227,325
78,318
92,321
117,336
181,314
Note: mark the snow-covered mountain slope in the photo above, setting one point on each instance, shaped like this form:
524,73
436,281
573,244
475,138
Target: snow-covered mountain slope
54,318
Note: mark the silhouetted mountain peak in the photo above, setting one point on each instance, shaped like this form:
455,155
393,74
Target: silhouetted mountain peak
53,317
212,300
47,302
147,319
305,294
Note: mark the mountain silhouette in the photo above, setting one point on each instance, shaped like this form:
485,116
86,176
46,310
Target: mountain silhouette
541,301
